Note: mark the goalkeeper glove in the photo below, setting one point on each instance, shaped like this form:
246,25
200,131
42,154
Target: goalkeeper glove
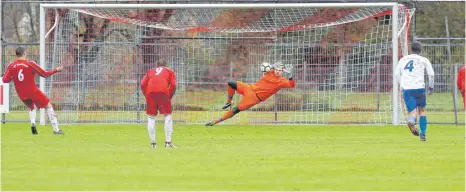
278,65
288,71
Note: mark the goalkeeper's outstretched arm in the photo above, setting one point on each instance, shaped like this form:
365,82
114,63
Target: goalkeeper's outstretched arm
288,70
288,83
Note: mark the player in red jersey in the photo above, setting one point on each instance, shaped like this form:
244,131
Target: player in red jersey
23,72
253,94
461,83
159,86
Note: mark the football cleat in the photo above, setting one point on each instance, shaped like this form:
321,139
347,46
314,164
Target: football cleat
212,123
413,129
153,145
60,132
423,138
228,104
170,145
33,129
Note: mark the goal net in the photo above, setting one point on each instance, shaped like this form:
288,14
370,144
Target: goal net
343,57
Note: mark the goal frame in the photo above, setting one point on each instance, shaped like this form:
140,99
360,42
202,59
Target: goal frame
396,110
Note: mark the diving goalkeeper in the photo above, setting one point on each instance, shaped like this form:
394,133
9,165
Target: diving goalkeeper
269,84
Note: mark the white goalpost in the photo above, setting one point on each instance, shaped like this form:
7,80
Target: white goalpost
343,54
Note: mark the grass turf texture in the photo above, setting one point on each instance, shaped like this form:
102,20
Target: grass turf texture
353,108
244,118
119,157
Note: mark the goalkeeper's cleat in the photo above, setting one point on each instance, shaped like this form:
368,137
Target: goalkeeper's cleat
170,145
423,138
60,132
413,129
228,104
153,145
212,123
33,129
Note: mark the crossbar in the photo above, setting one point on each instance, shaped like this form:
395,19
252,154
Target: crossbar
218,6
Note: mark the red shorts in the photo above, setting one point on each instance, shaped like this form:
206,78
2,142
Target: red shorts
158,101
39,99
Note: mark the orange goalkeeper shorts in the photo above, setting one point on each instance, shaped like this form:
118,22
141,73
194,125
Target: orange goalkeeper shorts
249,98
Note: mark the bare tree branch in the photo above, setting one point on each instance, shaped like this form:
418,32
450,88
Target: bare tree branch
101,36
32,16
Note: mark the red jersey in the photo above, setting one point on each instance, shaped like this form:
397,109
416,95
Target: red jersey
460,81
22,72
160,79
269,84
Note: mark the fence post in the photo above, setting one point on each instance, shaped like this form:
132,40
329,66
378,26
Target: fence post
452,71
2,50
139,67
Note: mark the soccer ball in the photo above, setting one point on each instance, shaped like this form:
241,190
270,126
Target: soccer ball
265,67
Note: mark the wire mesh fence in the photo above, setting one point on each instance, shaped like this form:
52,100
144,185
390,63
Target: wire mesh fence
314,74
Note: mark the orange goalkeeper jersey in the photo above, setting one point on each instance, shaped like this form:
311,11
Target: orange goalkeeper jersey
269,84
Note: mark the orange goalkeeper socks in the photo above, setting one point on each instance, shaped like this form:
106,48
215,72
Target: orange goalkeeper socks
231,93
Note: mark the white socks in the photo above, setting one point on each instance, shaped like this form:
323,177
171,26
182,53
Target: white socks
151,128
52,118
168,128
32,116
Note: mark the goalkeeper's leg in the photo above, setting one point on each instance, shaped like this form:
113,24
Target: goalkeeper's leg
232,87
227,115
249,99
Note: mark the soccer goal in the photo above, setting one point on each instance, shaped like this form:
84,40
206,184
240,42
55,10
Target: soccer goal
343,56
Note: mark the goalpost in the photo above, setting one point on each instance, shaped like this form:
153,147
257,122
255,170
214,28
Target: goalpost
343,55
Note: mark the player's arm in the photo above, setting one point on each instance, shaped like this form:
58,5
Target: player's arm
460,80
172,86
144,83
7,76
288,83
430,74
38,70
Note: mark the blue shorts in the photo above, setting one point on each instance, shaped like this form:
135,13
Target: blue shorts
414,98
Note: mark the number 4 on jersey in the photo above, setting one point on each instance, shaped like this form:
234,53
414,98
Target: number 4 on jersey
409,65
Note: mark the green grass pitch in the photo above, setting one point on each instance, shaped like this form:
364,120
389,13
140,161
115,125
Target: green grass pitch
324,157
